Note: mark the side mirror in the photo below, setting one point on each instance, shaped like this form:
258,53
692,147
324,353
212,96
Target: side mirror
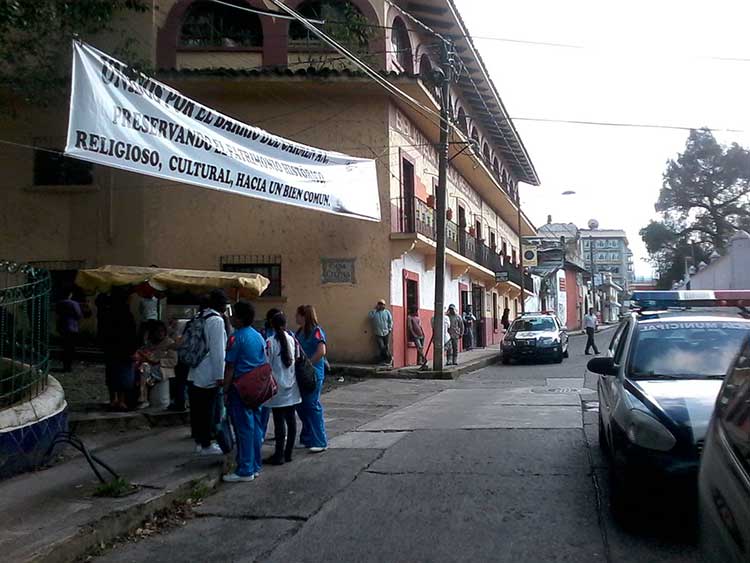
602,366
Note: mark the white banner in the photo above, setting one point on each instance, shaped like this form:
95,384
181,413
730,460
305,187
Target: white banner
127,120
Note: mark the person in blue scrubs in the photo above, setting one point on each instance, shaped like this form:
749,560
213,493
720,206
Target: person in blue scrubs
312,340
267,332
246,351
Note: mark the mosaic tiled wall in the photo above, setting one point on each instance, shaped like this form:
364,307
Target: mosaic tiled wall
23,448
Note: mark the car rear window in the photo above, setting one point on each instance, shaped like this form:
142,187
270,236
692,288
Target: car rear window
686,349
537,324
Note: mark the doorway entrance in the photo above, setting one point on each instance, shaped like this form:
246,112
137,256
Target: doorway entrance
477,299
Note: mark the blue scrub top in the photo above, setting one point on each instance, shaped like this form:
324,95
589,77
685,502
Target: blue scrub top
309,344
246,350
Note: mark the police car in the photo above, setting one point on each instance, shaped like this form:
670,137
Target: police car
535,336
658,384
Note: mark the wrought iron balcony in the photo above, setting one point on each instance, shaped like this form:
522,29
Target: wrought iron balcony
415,216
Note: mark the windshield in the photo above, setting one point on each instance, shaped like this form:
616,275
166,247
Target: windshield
686,349
539,324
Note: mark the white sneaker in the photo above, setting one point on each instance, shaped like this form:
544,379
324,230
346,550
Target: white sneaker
213,449
198,448
234,478
256,475
316,450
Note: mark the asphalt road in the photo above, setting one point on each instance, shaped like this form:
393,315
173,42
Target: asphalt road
502,465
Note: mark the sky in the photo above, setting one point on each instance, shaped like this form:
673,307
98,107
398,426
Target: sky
638,62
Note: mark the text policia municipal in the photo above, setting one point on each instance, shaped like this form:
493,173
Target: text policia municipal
178,134
122,150
115,74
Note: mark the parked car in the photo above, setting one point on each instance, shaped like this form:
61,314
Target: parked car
536,336
724,479
657,388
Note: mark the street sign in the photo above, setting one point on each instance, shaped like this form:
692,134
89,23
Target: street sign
502,276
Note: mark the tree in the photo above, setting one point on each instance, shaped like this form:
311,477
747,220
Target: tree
35,38
704,199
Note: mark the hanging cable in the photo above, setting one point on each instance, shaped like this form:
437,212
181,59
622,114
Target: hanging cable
263,12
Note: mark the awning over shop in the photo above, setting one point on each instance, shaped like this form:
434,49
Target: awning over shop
103,279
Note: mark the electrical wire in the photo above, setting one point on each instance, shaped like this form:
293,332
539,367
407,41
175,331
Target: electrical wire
262,12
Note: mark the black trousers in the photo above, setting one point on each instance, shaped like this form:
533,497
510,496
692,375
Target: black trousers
178,385
285,429
590,343
68,349
202,413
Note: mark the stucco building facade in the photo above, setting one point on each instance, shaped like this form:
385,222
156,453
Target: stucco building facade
68,216
730,271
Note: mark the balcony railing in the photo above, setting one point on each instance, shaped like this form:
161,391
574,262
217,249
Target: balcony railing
415,216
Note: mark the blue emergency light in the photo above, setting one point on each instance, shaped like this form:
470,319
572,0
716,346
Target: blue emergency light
645,300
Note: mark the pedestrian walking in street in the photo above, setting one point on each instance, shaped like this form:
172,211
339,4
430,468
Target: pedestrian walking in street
245,352
280,350
267,332
416,334
69,316
382,325
469,320
119,343
455,332
312,340
505,320
203,348
589,323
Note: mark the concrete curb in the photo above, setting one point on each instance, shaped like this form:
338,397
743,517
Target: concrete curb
91,536
96,422
454,372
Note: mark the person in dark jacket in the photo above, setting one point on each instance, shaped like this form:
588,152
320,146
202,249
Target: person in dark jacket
68,316
120,342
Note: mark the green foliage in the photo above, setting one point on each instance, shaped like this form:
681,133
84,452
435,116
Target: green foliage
35,37
115,488
704,199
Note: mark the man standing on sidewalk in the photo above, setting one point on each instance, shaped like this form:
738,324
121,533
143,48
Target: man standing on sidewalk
589,323
455,332
206,376
382,324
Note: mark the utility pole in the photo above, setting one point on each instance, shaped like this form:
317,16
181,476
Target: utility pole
520,253
441,198
593,272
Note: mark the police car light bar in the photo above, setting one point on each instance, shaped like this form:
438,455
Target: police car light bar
691,298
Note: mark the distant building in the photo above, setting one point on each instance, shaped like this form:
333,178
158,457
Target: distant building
731,271
560,265
611,255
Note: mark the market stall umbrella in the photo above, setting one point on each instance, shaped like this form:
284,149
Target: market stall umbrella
237,285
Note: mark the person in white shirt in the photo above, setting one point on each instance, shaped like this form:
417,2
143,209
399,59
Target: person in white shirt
281,352
589,323
205,379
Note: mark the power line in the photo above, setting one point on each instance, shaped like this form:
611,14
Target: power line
618,124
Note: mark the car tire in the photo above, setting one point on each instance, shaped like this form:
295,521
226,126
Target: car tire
506,360
559,357
566,354
603,444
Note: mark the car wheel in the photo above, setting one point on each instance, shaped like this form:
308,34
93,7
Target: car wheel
506,360
559,357
566,354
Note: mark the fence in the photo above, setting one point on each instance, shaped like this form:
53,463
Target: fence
24,331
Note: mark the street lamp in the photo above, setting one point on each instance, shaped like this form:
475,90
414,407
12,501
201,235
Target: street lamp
593,225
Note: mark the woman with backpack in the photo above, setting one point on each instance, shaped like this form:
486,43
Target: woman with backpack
281,352
312,340
245,352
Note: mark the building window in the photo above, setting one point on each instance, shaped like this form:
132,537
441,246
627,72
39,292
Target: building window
51,168
401,45
601,243
344,22
210,25
461,121
267,266
412,295
505,250
493,242
513,261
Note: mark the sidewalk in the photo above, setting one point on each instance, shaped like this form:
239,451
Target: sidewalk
472,360
53,516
